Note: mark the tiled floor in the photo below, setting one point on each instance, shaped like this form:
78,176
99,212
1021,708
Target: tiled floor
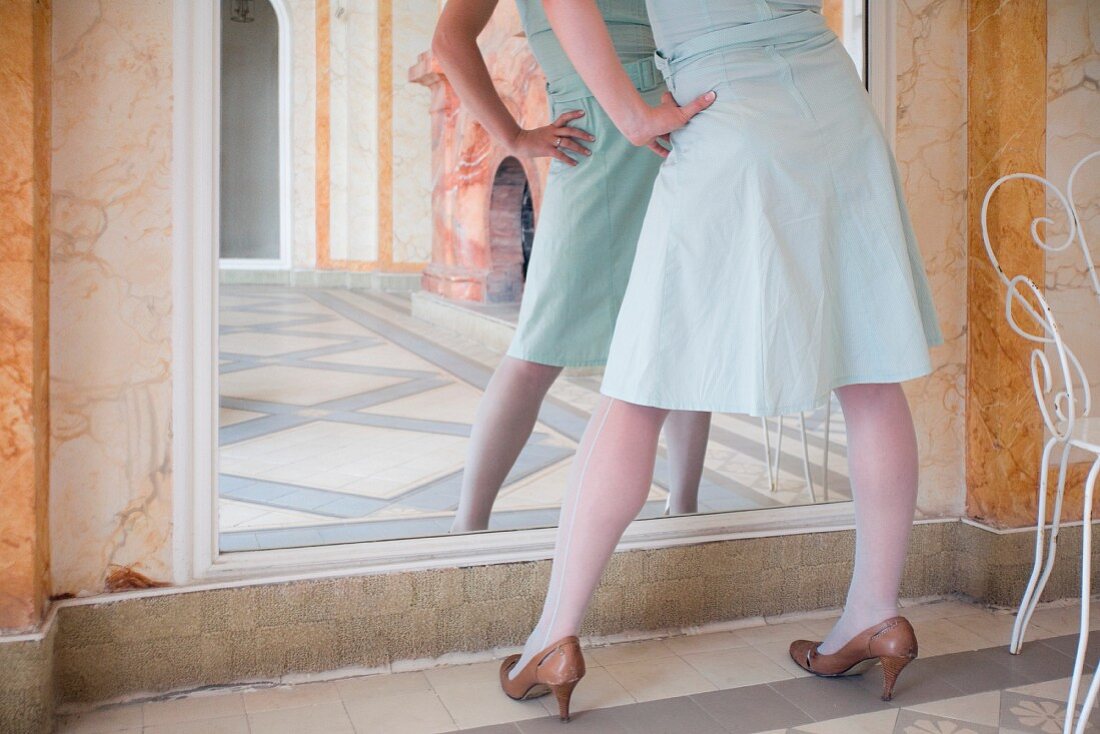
736,681
345,419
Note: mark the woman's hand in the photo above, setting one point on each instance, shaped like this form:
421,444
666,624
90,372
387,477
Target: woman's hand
657,122
552,140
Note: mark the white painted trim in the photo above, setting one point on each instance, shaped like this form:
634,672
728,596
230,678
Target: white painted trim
195,293
244,263
882,19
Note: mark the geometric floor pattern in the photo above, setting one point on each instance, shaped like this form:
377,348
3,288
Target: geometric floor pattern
734,681
343,419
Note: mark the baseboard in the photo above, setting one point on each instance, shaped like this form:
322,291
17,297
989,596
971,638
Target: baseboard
113,648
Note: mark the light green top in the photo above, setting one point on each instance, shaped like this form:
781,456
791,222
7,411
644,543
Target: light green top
626,20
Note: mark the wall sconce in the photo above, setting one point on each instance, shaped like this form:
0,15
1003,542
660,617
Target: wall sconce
243,11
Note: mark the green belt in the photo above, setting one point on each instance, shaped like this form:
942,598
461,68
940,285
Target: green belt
643,73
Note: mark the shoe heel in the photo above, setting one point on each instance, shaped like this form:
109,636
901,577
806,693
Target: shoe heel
891,669
563,692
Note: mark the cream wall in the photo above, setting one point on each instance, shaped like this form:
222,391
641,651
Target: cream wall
930,146
110,291
413,24
303,39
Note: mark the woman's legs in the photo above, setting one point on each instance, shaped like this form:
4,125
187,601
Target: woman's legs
882,462
608,485
504,421
687,432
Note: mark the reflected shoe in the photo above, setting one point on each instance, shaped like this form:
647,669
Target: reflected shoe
892,643
557,669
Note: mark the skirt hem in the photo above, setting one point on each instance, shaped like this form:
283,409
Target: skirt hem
756,410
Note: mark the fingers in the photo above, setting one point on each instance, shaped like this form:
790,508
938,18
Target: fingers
567,117
567,144
697,105
659,149
559,155
574,132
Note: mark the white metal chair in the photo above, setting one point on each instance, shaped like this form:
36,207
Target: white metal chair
773,469
1065,410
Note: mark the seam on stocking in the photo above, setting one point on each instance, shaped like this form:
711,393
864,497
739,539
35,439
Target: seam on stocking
572,515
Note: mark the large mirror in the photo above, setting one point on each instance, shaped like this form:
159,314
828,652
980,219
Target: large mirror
373,247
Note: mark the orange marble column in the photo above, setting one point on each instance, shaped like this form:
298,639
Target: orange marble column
24,308
1007,89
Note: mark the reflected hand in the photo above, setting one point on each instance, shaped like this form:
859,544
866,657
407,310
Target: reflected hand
666,118
553,140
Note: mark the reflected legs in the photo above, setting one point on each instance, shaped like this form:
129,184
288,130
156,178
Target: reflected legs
687,433
504,421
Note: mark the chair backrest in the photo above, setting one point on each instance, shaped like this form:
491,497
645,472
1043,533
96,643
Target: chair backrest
1063,405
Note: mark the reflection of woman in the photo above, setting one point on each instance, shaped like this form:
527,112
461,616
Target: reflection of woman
776,264
588,226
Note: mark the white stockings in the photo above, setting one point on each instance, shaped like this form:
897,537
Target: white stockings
608,486
882,464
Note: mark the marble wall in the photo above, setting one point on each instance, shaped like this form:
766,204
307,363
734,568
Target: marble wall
1073,130
110,300
930,146
413,25
24,311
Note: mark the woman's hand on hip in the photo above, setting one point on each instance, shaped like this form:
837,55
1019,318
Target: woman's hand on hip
667,117
553,140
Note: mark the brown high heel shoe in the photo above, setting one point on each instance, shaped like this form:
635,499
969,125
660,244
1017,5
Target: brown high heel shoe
556,669
893,643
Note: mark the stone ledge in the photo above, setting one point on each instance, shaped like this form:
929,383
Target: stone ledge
108,649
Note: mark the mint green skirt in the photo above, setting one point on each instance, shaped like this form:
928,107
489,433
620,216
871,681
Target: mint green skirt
586,234
777,260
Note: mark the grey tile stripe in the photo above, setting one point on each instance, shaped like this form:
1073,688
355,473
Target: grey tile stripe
326,502
562,418
802,701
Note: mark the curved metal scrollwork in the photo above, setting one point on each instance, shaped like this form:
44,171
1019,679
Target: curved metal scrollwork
1073,401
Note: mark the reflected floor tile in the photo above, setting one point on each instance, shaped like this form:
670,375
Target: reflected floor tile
225,725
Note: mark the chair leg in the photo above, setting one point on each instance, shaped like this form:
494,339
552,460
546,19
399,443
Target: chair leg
806,458
1036,569
1086,589
768,452
778,451
1052,545
825,461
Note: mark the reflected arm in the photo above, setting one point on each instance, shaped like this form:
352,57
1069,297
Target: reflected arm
455,46
583,34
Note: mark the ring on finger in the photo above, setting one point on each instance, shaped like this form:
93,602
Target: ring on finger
557,141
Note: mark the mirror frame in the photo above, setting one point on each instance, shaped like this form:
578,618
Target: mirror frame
195,554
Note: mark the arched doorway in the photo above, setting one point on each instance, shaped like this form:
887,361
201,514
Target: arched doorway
254,135
511,232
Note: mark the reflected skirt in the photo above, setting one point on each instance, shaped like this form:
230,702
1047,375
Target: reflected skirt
586,235
777,260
